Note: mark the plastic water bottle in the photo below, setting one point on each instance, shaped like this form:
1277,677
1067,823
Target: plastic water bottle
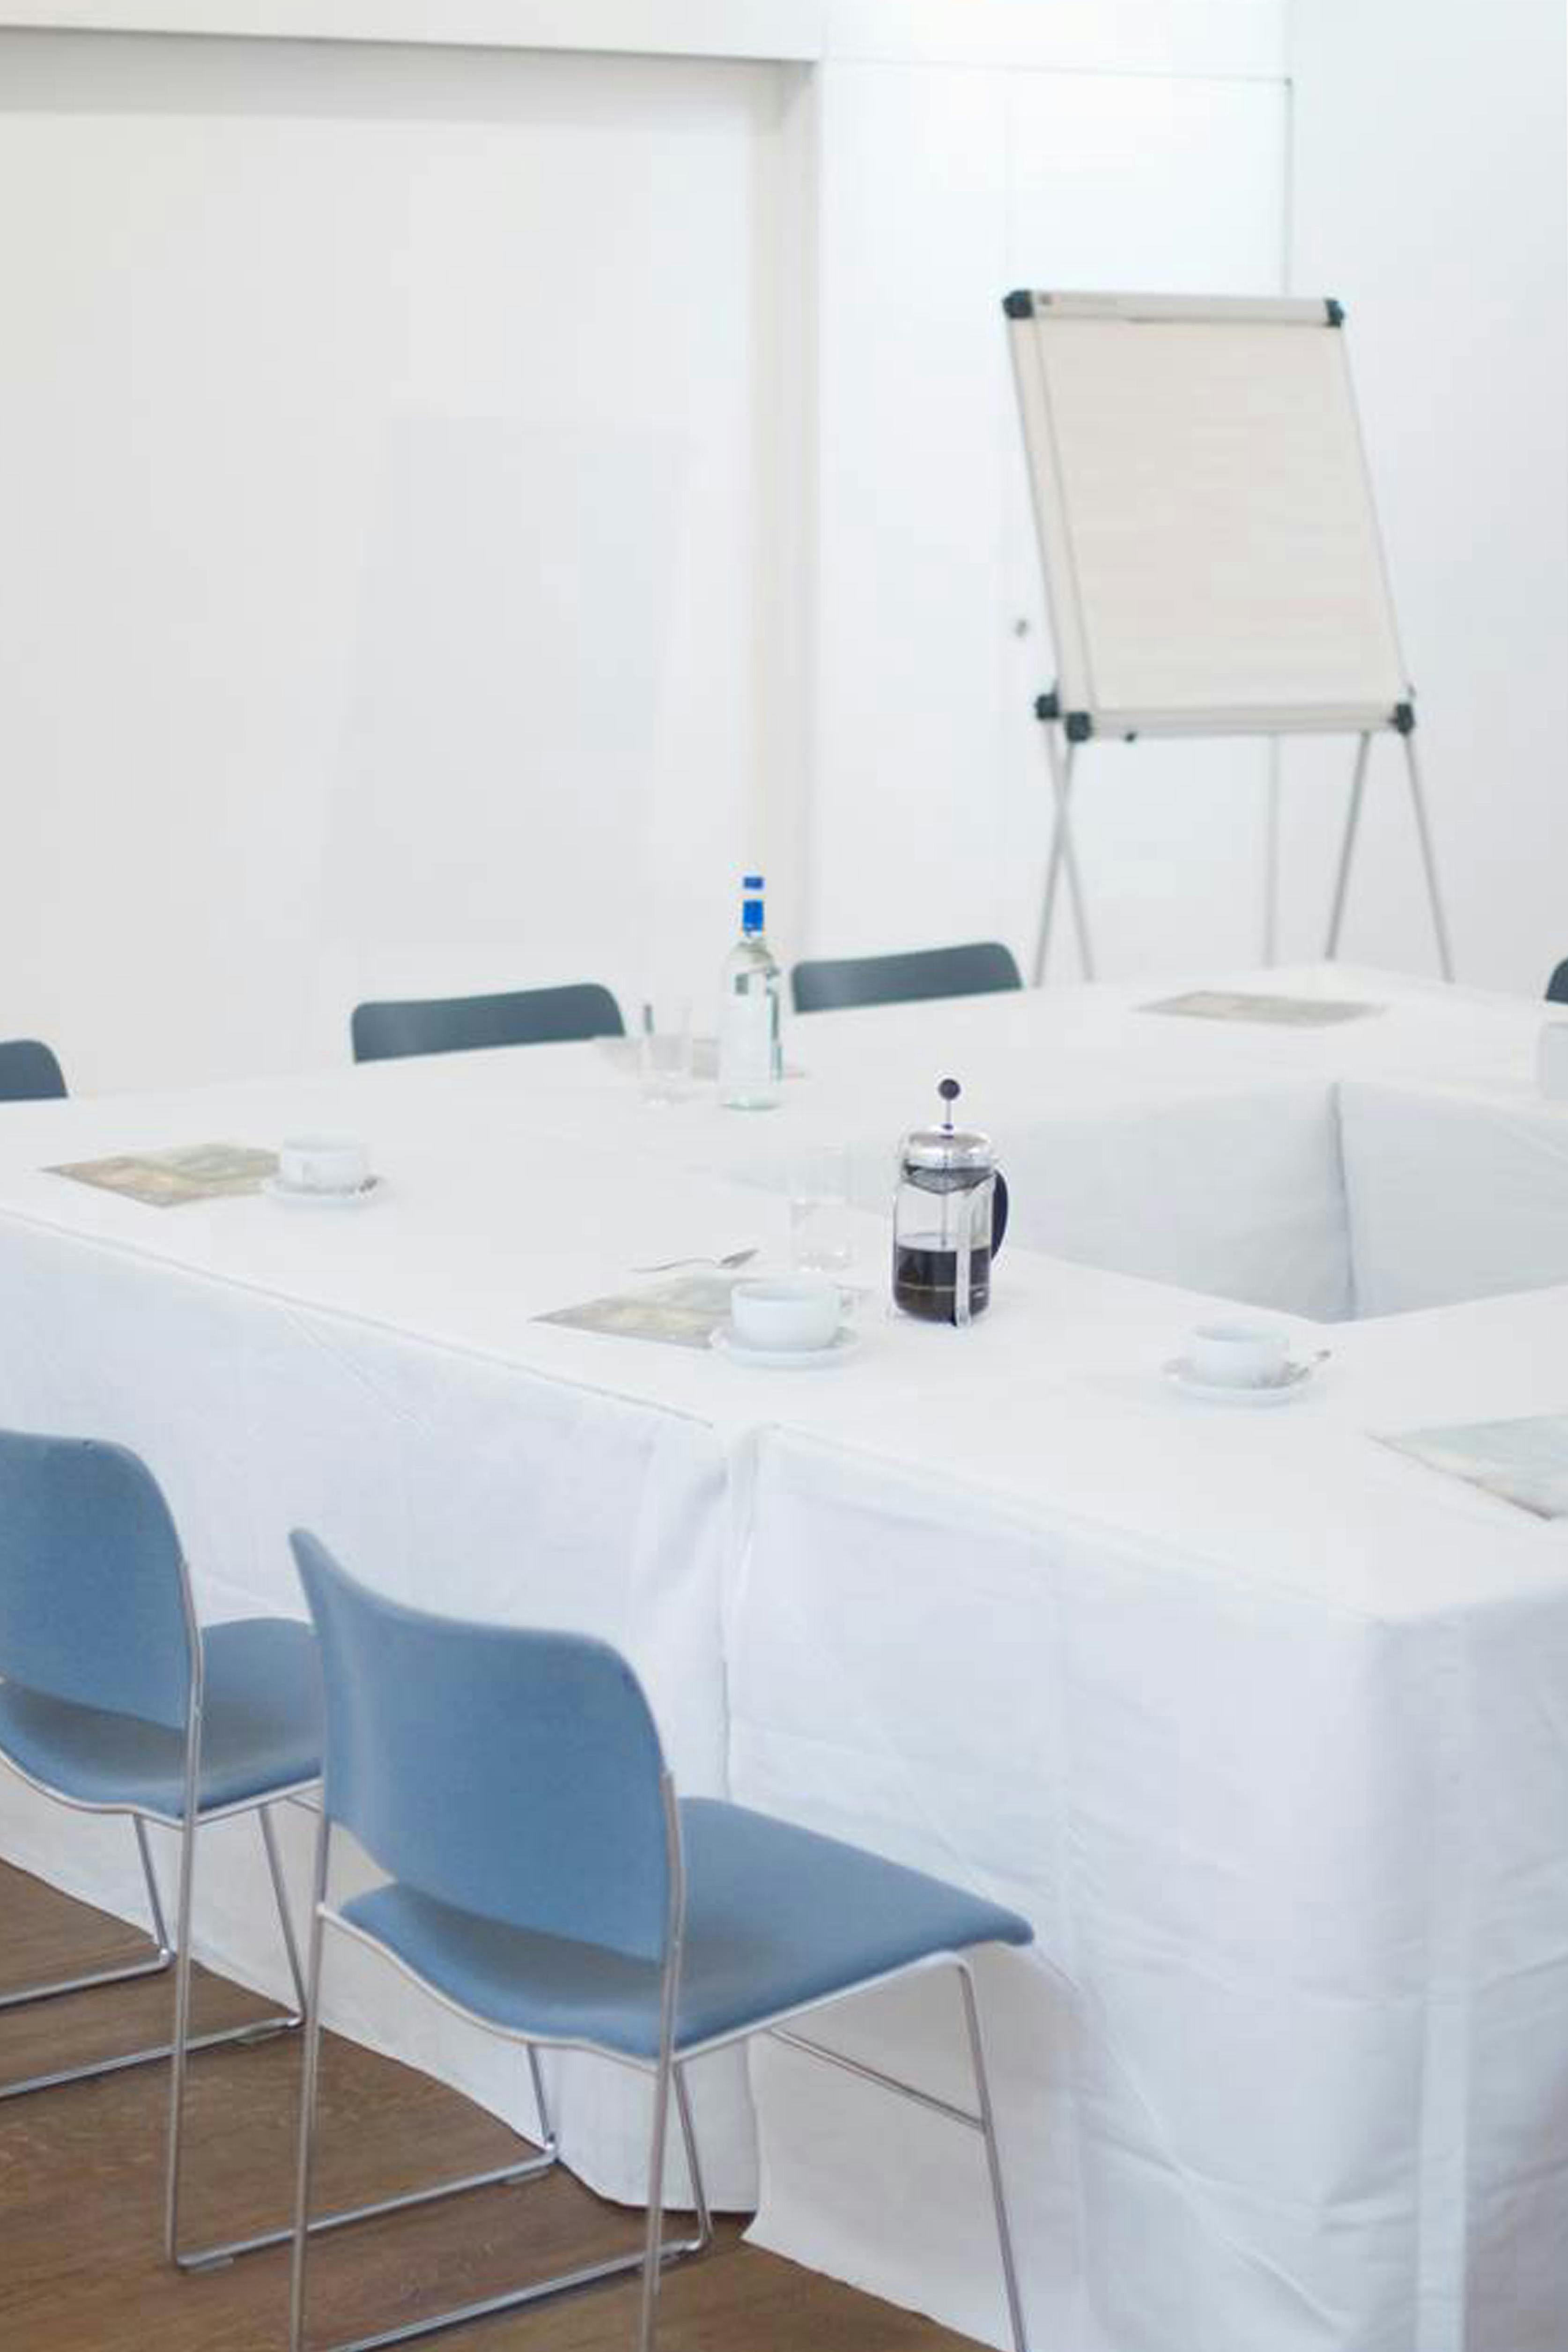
750,1046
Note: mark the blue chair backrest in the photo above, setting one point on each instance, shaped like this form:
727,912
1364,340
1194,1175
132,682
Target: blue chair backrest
1557,986
92,1589
29,1072
460,1024
979,968
510,1772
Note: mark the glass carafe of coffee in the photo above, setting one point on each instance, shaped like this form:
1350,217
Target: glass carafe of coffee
949,1217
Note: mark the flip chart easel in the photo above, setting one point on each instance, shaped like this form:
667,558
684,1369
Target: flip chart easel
1210,545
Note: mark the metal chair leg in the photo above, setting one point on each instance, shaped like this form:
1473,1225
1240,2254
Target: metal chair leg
261,2029
653,2249
304,2228
154,1895
215,2256
650,2259
307,2156
693,2162
285,1918
182,1910
162,1957
982,2120
993,2158
591,2274
219,2256
541,2103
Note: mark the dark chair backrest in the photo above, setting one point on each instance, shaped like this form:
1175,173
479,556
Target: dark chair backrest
463,1024
981,967
94,1601
511,1772
1557,986
29,1072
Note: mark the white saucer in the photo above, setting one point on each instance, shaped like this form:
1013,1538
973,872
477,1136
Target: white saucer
304,1196
787,1360
1296,1376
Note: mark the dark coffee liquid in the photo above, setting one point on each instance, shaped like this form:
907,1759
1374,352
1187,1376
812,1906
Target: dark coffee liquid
925,1280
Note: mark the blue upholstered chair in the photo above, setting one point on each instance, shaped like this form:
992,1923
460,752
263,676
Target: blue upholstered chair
460,1024
1557,986
114,1700
29,1072
543,1880
980,969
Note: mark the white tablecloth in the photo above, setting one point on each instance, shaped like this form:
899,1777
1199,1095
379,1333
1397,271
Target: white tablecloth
1453,1193
444,1474
1261,1724
1267,1730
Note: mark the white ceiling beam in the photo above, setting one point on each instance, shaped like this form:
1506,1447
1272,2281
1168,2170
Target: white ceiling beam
1220,38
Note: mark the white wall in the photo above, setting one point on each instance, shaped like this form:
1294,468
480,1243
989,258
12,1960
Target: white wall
1431,162
462,504
940,189
386,460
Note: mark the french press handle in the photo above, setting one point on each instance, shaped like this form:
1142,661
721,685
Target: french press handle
999,1213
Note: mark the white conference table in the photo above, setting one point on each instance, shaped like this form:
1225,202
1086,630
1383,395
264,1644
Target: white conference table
1264,1725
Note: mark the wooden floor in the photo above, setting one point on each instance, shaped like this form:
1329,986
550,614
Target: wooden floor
81,2180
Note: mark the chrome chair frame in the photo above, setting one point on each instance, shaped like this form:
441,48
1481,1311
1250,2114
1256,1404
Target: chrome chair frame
669,2073
178,1954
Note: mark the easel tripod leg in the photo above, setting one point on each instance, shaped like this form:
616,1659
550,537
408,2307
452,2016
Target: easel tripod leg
1347,850
1429,860
1048,903
1064,856
1070,859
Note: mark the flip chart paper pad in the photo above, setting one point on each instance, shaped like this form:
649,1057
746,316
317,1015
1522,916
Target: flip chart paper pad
1206,524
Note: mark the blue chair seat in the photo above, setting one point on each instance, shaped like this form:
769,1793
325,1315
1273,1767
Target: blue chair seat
777,1917
261,1730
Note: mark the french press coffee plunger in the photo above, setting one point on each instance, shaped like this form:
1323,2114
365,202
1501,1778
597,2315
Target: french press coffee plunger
949,1216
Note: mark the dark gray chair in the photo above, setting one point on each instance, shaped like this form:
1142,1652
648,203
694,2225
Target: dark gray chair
1557,986
980,967
29,1072
463,1024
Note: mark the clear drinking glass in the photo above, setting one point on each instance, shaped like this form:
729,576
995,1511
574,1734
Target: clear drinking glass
821,1235
664,1049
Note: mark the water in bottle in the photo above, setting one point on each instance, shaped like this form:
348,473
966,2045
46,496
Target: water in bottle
751,1049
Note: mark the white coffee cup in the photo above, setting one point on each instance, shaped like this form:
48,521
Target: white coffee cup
785,1311
1237,1355
323,1163
1552,1060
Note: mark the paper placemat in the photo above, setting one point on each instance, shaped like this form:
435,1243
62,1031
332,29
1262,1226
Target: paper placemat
168,1180
681,1314
1523,1462
1280,1011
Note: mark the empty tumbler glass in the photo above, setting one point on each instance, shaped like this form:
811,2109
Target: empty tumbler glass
822,1235
664,1048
